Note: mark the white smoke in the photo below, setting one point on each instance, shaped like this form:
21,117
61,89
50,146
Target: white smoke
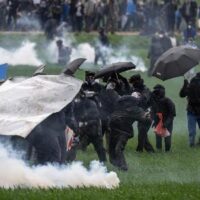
28,22
24,55
14,172
85,50
51,53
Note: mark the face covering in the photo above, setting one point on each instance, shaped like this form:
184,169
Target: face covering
110,86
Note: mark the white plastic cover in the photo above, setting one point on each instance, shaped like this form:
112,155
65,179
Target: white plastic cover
26,103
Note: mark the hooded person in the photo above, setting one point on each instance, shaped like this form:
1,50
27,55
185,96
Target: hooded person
90,89
120,83
126,112
90,84
88,124
163,113
191,90
144,94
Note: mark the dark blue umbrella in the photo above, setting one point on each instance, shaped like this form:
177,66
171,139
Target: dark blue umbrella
115,68
176,62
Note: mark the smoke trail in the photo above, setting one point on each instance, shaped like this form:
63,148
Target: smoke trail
24,55
14,172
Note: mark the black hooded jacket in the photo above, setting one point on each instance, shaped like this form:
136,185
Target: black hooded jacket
192,92
125,114
164,105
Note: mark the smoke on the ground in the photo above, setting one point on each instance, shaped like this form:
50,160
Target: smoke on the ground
24,55
14,172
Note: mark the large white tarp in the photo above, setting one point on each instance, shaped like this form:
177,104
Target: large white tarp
26,102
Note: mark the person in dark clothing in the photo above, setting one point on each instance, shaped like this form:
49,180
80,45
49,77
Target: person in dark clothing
13,6
87,125
56,11
103,42
192,92
126,112
170,9
50,28
140,90
159,44
90,84
189,33
189,11
155,51
63,53
120,83
163,106
90,89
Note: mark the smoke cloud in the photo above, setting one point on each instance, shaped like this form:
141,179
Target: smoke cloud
14,172
85,50
24,55
28,22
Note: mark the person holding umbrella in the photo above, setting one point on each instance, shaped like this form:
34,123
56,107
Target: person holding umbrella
191,90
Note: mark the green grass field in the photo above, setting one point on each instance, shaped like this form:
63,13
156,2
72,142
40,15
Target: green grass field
163,176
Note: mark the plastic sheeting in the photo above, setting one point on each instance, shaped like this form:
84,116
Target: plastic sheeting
26,103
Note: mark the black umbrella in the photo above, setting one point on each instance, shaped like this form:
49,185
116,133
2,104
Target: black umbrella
115,68
73,66
176,62
39,70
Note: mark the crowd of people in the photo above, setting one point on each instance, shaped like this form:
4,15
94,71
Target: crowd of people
89,15
121,103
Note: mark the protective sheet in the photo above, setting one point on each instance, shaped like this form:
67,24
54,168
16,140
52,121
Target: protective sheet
25,103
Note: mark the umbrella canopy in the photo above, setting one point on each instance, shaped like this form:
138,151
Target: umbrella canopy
73,66
115,67
176,62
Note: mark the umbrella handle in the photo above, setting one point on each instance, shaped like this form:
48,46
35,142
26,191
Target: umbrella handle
117,76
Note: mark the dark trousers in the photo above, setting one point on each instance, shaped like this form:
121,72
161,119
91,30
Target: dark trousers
116,150
99,55
167,139
93,134
79,23
143,141
193,120
167,142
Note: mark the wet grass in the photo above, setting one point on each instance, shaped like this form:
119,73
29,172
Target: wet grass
160,176
167,191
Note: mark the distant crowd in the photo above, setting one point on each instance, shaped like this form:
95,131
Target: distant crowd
89,15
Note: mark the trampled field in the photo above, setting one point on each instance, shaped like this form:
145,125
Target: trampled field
173,175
